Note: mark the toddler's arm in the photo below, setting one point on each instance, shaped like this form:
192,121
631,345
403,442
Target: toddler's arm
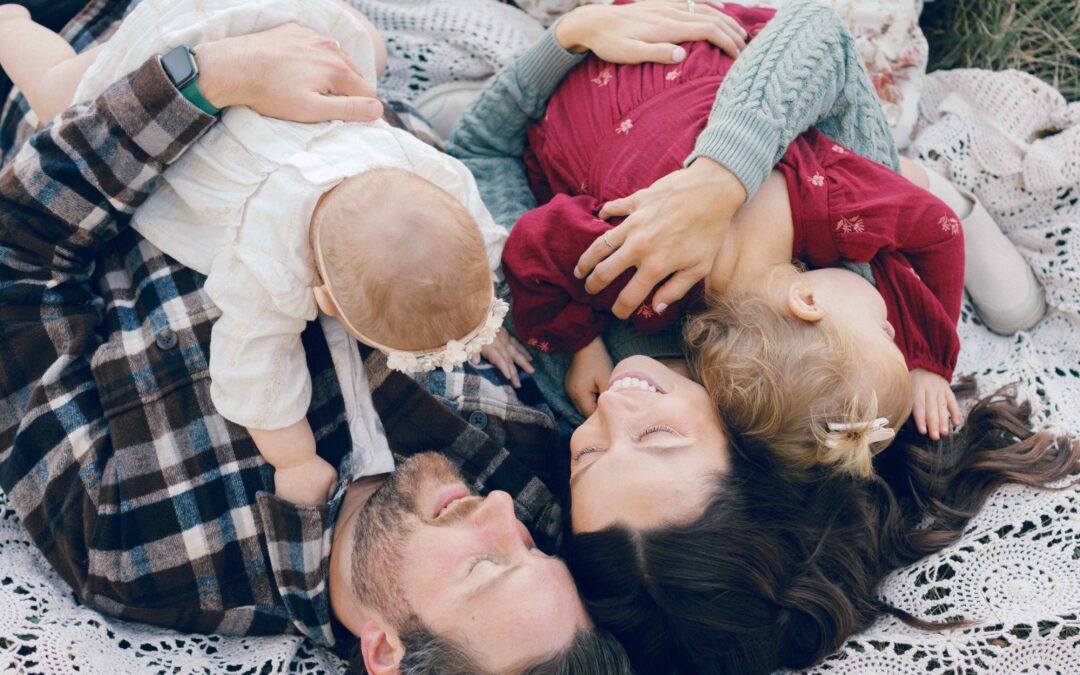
40,63
301,476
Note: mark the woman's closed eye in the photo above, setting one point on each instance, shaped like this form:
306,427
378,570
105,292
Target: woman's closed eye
584,451
656,429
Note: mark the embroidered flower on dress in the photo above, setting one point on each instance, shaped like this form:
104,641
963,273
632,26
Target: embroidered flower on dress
817,180
645,312
603,78
847,225
949,224
670,77
838,148
539,344
625,127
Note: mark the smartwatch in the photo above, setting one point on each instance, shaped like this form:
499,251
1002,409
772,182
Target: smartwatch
180,67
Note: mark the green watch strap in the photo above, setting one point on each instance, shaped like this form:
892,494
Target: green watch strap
195,96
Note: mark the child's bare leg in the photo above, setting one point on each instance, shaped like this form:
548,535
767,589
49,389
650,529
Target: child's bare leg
41,63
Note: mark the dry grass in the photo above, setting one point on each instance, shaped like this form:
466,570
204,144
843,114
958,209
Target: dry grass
1041,37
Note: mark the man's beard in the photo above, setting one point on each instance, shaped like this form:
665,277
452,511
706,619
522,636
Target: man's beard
383,527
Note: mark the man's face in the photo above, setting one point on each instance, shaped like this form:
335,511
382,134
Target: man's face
464,565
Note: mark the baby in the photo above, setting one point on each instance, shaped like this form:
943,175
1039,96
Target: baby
821,364
361,221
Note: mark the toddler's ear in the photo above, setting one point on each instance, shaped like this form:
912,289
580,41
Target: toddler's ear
800,300
325,301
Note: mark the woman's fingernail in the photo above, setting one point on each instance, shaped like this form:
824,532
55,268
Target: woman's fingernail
745,35
373,109
577,272
678,54
661,307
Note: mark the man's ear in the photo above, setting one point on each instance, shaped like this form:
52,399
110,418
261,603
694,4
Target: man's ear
382,650
800,300
325,301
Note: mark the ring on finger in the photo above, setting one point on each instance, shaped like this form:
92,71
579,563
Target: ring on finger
691,6
608,241
337,45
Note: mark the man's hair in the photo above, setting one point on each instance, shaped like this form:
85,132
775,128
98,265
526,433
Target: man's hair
781,380
593,651
776,574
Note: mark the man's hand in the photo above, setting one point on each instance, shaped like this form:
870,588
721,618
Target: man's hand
588,376
935,404
507,354
673,227
647,31
289,72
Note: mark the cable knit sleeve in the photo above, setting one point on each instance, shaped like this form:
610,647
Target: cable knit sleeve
801,70
490,137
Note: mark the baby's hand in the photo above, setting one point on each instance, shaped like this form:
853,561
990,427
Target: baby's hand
588,376
507,354
935,404
309,483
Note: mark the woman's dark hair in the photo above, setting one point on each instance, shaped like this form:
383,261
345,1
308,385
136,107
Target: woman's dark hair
777,573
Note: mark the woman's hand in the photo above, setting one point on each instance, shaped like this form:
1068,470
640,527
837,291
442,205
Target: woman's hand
588,376
673,228
647,31
935,404
289,72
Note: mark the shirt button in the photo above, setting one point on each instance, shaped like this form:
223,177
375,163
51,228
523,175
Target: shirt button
165,338
478,419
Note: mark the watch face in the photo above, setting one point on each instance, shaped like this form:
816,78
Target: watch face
179,66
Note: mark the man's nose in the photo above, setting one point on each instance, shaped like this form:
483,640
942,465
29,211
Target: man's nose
496,518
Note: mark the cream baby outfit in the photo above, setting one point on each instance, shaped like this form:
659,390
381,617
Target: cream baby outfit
238,204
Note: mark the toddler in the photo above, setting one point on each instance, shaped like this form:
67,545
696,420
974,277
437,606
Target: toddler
359,220
838,360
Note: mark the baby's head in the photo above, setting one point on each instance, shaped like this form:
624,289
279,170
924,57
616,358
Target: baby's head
809,374
402,262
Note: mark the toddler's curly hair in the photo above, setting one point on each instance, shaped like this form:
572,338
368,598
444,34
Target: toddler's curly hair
783,380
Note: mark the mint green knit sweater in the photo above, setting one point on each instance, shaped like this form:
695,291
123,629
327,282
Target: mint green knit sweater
801,70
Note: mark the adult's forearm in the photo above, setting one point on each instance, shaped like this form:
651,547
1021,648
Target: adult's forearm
491,135
60,202
801,70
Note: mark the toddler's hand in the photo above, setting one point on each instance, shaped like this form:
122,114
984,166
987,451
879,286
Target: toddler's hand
507,354
588,376
309,483
935,404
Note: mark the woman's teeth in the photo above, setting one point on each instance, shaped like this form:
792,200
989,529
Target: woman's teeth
631,383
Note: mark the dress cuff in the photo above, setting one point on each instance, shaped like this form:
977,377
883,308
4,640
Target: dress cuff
745,142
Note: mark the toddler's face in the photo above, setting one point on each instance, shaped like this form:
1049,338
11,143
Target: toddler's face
853,305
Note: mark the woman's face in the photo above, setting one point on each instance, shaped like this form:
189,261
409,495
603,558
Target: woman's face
648,455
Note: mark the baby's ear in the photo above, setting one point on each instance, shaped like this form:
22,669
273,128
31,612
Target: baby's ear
325,301
801,302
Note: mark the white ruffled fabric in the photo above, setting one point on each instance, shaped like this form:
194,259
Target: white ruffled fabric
237,205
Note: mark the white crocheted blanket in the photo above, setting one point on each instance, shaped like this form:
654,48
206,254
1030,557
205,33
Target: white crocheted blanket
1007,137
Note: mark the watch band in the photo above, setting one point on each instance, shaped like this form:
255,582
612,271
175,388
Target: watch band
179,65
195,96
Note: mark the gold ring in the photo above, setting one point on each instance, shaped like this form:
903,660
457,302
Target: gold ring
608,241
338,45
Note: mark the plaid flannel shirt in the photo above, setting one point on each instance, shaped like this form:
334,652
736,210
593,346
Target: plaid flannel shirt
146,501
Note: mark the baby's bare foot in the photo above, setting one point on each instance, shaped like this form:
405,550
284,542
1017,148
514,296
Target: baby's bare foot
13,12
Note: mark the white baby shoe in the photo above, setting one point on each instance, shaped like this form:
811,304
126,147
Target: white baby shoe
443,104
1001,284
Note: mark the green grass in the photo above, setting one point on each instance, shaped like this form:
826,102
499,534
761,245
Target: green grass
1041,37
